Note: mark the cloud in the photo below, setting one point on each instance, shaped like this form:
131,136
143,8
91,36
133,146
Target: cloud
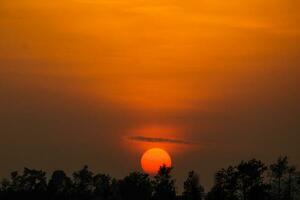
159,140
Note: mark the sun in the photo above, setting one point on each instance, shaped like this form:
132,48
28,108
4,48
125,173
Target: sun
153,159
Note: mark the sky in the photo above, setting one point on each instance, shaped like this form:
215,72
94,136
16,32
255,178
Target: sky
99,82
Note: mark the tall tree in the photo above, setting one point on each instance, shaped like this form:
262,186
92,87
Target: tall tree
83,183
164,185
59,184
225,187
251,181
16,181
115,190
136,186
4,185
290,182
242,182
278,171
192,188
33,180
102,186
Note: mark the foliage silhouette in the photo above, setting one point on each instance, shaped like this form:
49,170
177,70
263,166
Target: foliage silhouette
164,185
192,188
59,186
278,170
102,186
284,180
250,180
225,187
244,181
136,186
83,184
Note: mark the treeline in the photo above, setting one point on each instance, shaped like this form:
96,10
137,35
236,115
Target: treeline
249,180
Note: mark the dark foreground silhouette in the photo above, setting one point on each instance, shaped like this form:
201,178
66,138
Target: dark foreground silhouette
249,180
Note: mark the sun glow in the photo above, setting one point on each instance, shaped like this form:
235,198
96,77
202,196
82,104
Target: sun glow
153,159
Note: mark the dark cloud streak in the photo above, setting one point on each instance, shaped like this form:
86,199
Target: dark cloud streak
159,140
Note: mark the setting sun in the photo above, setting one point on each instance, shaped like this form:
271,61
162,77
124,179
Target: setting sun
129,86
153,159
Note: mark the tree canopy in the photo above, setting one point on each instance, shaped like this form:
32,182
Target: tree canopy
248,180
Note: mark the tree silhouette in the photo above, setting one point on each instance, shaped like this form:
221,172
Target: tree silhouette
31,184
225,187
290,182
164,185
115,195
60,185
285,178
192,188
242,182
4,185
278,171
251,181
83,183
34,180
136,186
245,181
102,186
16,181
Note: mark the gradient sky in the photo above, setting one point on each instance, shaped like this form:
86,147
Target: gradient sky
98,82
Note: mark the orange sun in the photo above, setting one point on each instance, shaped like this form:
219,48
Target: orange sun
153,159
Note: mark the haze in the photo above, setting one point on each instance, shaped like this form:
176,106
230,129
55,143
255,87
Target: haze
98,82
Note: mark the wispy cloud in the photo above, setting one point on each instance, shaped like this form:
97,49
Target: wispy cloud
160,140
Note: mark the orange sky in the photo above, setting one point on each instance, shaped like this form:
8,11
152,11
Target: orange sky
78,77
